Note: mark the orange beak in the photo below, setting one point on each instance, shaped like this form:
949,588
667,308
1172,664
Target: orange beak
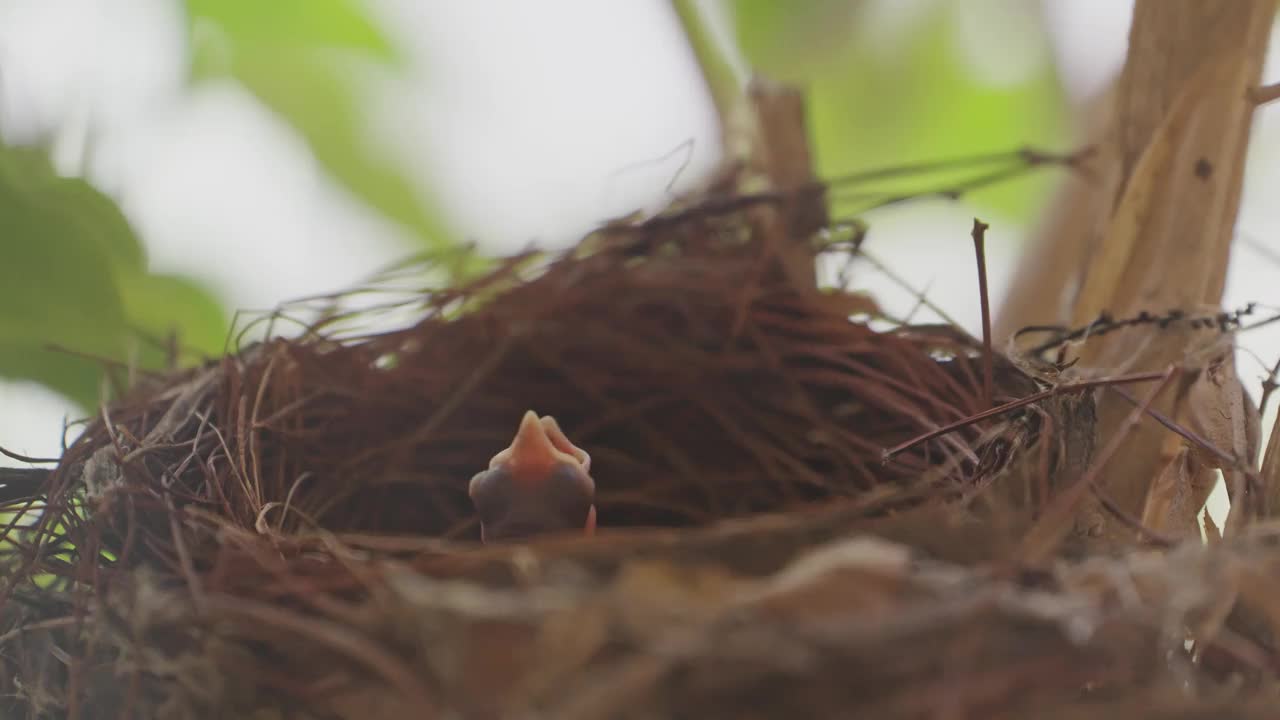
529,463
538,446
561,443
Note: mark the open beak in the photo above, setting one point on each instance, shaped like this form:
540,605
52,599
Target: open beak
561,443
533,483
538,446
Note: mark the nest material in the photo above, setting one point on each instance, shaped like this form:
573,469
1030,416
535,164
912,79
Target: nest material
286,531
705,387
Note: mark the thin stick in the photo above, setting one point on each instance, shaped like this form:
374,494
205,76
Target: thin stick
1131,522
18,484
979,234
1015,404
1187,434
1269,386
26,458
919,295
1026,158
717,206
1264,94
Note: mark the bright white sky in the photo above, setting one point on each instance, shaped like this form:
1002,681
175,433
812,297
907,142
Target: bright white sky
535,123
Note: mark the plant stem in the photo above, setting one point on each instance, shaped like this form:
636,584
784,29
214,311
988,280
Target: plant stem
723,80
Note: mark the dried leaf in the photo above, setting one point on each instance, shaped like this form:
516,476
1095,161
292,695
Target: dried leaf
1218,409
1174,500
1211,532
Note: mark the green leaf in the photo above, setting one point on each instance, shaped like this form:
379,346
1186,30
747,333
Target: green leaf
77,378
874,104
304,59
57,285
73,284
321,102
307,23
28,180
164,307
789,41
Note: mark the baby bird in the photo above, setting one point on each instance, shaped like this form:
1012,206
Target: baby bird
540,484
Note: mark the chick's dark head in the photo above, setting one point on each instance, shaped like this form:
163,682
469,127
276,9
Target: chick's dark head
539,484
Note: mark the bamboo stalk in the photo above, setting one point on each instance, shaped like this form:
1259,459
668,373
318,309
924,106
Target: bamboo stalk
1156,234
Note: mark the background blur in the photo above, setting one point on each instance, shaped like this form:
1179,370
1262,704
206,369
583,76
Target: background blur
261,151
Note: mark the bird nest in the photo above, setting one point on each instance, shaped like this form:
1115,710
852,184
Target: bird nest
286,532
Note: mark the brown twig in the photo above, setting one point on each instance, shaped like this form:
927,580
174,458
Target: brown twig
979,234
1015,404
1269,386
1264,94
26,458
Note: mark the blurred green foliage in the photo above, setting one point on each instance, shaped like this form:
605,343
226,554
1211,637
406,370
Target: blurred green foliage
74,287
792,41
308,60
873,102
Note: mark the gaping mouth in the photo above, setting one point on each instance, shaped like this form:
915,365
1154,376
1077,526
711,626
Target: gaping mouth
540,444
